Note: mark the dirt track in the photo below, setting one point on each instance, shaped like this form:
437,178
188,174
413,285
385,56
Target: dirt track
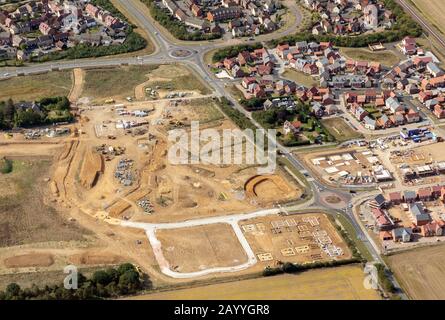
76,89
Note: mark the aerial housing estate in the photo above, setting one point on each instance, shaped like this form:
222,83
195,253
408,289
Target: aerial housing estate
38,28
238,17
343,17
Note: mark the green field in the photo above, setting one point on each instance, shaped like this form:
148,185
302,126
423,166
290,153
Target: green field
299,78
121,82
340,129
34,87
386,58
103,83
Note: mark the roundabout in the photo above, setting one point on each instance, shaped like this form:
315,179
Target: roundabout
180,53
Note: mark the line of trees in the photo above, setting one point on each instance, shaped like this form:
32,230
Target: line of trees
133,42
233,51
236,116
52,110
109,283
384,281
177,28
275,117
289,267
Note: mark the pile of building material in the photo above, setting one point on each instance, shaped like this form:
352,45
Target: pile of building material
146,205
123,172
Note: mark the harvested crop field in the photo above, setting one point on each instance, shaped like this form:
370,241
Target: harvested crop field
37,86
29,260
421,272
340,283
433,11
197,248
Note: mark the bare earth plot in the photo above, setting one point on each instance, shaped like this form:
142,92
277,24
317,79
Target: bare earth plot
421,272
202,247
297,239
342,283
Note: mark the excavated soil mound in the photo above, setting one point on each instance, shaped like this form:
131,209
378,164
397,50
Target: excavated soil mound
29,260
95,258
91,168
266,187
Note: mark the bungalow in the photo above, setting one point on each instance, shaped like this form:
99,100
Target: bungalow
292,127
402,234
425,194
409,196
370,123
412,116
395,198
247,81
419,215
434,70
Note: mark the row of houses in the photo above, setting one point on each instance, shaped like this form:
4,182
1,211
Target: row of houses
247,17
412,203
248,63
325,62
391,112
421,77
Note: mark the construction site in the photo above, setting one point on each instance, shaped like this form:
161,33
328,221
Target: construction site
354,166
111,166
420,164
301,238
